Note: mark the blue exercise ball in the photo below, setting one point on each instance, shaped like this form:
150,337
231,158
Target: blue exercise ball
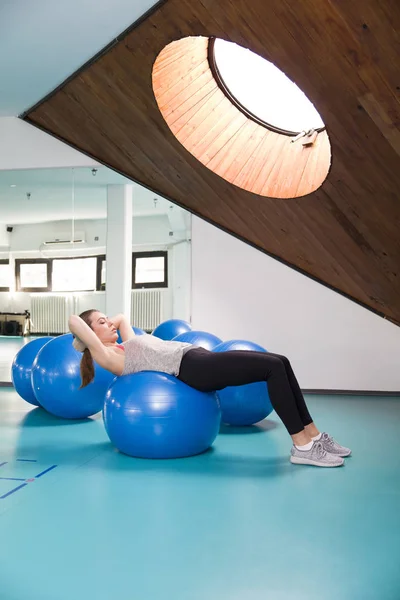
136,330
244,404
56,381
239,345
199,338
170,329
22,367
155,415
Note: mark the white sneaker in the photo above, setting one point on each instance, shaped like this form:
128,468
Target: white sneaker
331,446
316,456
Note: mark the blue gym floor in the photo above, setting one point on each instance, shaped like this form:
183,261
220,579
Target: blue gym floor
239,522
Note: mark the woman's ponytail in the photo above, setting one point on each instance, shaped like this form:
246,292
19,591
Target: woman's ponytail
87,368
87,365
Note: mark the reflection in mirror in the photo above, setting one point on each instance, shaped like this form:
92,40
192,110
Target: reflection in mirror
53,254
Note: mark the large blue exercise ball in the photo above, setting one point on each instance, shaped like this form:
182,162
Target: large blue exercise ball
244,404
56,381
203,339
171,328
155,415
136,330
22,368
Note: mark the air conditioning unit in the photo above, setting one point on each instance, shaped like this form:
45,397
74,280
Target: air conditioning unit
66,238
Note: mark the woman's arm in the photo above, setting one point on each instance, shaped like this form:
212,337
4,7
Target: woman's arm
121,322
82,331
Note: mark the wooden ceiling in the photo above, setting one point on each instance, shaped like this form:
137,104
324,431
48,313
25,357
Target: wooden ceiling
223,138
343,55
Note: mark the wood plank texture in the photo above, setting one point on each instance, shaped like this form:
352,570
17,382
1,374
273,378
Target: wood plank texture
301,170
343,55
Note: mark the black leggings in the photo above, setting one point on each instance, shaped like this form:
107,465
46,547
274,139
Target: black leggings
210,371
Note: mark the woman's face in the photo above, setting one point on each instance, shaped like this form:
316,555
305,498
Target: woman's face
103,328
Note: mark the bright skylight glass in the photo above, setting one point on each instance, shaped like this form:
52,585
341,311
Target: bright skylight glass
264,90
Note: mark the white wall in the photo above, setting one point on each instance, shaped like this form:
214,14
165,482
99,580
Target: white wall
14,302
180,280
90,300
23,146
29,238
333,343
149,233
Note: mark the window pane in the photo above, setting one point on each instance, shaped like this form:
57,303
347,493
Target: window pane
150,270
33,275
264,89
103,272
5,276
74,275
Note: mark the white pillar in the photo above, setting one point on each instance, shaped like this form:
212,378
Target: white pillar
119,250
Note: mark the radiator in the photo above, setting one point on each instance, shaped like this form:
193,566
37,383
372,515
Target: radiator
146,308
50,313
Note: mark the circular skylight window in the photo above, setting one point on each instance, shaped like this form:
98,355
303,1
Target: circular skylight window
247,134
264,90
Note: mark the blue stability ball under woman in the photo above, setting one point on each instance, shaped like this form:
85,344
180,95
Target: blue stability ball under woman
154,415
170,329
201,339
244,404
22,368
56,381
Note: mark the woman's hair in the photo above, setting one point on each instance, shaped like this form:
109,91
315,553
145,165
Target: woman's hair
87,365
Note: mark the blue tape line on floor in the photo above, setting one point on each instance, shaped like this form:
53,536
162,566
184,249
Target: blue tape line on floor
25,480
12,491
46,471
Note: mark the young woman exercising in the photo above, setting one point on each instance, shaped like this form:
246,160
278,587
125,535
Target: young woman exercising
96,337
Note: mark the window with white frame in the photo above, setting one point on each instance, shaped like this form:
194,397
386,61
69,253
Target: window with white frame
74,274
5,275
32,275
101,273
149,269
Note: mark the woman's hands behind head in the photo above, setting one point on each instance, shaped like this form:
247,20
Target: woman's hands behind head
79,345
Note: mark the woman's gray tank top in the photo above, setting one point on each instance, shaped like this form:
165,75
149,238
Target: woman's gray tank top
149,353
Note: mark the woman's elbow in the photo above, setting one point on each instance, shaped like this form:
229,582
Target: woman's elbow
72,322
